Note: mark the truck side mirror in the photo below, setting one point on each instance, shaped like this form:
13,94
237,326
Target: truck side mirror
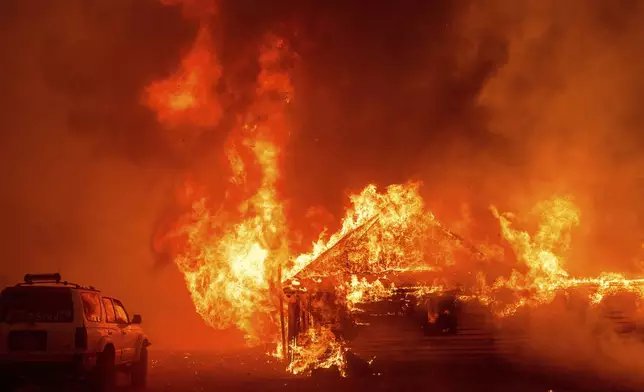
136,319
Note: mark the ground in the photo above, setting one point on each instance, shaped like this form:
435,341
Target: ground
404,359
250,371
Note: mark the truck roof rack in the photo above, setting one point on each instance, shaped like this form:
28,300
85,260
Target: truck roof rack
54,278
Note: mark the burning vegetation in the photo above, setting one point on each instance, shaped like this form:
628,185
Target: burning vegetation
235,253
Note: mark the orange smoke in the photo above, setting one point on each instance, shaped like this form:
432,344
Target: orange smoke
195,8
186,98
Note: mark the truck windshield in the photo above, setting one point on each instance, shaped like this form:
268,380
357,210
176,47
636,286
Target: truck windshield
36,304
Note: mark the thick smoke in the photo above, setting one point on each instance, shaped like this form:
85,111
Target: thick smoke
567,100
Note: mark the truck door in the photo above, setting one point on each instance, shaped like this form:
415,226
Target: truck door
113,330
128,335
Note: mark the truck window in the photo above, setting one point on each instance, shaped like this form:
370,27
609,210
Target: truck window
36,304
91,306
121,314
110,316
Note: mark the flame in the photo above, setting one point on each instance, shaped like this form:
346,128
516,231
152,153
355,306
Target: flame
558,216
317,348
362,291
395,243
235,257
232,257
392,229
544,254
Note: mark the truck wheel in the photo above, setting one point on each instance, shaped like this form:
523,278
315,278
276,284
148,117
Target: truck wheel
105,371
139,375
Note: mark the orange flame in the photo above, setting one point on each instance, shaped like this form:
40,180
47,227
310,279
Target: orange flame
396,242
543,254
235,259
318,348
231,259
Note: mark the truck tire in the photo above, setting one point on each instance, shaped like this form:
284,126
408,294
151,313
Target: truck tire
139,372
105,377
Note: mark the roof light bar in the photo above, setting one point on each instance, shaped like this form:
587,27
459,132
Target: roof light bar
31,278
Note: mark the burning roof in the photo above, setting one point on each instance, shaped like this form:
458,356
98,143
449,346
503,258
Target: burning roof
338,261
335,259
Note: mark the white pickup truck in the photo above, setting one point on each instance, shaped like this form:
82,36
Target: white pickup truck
52,329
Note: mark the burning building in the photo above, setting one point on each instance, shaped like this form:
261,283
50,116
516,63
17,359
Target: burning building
342,292
337,301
